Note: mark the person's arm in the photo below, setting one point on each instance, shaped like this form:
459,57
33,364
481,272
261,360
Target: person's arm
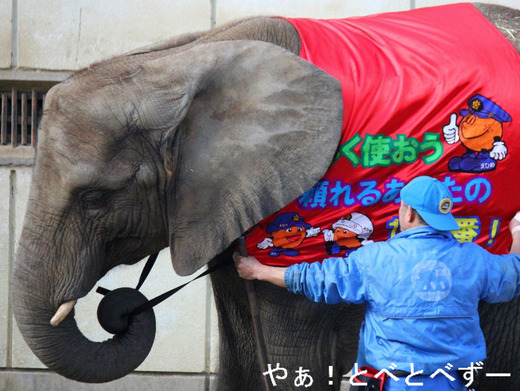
503,283
514,227
331,281
250,269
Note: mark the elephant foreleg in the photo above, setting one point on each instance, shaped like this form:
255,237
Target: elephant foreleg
303,339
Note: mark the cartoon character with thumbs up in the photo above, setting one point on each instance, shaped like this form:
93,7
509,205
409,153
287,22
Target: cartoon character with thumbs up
480,131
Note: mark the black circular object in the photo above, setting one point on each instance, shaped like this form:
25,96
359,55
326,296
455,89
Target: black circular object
115,311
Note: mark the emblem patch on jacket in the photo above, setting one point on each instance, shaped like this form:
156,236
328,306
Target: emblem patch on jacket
431,280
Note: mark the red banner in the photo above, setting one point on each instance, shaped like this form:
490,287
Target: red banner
433,91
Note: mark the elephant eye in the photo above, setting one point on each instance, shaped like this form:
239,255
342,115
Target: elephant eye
93,200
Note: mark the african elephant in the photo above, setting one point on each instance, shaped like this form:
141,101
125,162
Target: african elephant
139,152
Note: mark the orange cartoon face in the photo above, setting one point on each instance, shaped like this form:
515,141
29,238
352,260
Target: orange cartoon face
478,133
290,237
344,237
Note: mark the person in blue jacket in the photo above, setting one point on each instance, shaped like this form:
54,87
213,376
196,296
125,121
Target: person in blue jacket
424,311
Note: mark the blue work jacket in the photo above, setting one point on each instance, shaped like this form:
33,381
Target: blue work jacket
421,290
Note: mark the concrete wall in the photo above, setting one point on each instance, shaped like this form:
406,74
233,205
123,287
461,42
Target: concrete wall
38,40
71,34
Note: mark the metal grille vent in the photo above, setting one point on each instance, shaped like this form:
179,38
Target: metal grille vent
20,116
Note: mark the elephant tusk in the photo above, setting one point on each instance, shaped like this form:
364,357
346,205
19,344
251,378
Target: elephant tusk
62,312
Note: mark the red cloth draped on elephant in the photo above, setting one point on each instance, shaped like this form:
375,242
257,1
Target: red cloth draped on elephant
425,92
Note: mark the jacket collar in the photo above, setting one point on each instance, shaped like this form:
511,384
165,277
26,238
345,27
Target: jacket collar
423,231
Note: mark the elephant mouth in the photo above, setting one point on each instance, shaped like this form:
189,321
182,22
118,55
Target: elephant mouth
127,251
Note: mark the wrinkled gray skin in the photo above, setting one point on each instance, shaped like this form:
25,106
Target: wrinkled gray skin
150,150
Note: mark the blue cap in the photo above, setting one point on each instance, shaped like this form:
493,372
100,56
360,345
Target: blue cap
432,200
483,107
287,220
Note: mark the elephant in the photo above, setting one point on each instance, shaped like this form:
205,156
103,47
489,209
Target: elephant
144,150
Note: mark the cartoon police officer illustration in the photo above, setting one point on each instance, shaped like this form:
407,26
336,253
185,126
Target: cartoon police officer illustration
348,233
288,230
480,131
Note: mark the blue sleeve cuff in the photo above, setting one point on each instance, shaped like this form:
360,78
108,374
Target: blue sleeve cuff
291,275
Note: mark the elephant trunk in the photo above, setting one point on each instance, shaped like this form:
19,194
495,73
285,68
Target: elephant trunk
64,348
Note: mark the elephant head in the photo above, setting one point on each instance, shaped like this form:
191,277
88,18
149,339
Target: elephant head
187,148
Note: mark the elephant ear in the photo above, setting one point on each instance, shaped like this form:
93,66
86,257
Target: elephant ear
261,128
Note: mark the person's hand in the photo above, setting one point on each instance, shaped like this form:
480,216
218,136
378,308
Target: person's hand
514,227
250,269
247,267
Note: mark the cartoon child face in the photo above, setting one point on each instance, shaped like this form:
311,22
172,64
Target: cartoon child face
478,133
290,237
344,237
